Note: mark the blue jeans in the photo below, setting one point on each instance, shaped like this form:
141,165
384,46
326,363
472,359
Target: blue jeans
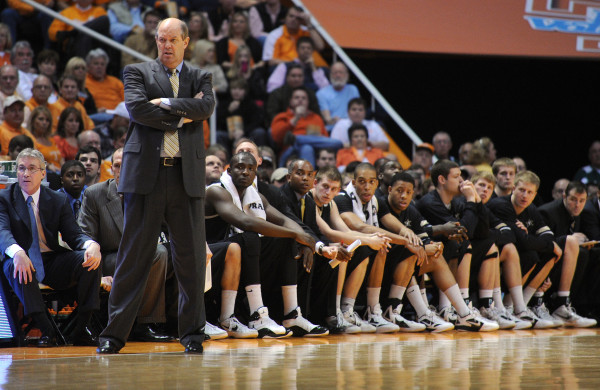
305,146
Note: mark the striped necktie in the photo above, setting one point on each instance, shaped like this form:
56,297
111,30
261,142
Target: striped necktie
171,138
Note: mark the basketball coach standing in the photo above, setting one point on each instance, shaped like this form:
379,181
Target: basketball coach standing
162,179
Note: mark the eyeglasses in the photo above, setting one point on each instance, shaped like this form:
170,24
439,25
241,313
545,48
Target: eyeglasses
32,170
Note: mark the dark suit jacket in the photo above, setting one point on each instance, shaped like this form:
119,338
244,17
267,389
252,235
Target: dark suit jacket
55,214
310,210
141,154
558,218
590,219
101,215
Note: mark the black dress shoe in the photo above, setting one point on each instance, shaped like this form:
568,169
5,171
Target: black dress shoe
47,341
148,333
194,347
107,348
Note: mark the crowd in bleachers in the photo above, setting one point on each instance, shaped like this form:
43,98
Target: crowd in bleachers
291,118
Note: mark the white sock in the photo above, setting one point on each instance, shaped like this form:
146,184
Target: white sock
227,303
414,296
497,295
563,293
373,296
338,303
444,301
424,296
347,303
464,293
516,293
454,294
528,293
254,297
290,298
397,291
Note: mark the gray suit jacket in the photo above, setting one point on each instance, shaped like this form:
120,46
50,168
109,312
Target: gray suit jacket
101,215
141,154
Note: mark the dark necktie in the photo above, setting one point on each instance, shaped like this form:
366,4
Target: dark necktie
76,207
34,251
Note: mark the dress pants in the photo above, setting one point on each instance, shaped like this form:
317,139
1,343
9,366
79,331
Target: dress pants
144,214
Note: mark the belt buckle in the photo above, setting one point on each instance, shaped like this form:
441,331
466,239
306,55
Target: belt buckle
168,162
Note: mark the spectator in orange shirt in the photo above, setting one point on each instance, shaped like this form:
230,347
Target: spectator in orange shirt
18,13
5,44
69,126
108,91
13,109
301,130
69,92
359,149
40,125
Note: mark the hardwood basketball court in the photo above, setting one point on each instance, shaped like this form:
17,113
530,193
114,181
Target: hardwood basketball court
549,359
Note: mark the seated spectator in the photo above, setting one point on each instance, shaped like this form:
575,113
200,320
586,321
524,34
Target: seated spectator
314,77
143,41
219,151
74,43
20,14
482,155
238,35
423,156
204,57
220,17
89,138
241,68
77,68
72,175
357,110
69,92
119,138
558,190
334,98
463,153
125,18
300,129
5,44
521,166
47,64
325,158
91,159
9,79
41,90
590,172
21,56
70,124
279,99
18,143
442,144
40,126
120,118
279,177
359,149
266,16
43,259
13,109
170,8
108,91
198,30
101,217
214,169
269,162
280,45
238,116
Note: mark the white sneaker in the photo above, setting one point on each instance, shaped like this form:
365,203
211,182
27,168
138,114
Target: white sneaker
475,323
520,324
567,315
266,327
393,315
435,323
542,312
537,322
237,330
301,327
353,318
339,324
448,314
212,332
375,318
499,316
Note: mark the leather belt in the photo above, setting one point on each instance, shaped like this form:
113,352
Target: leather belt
170,161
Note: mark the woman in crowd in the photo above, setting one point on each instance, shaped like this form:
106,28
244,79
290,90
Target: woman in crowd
198,31
77,68
204,57
241,68
239,34
70,124
5,44
40,125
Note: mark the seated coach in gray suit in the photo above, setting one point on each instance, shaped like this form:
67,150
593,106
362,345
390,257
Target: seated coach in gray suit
101,217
